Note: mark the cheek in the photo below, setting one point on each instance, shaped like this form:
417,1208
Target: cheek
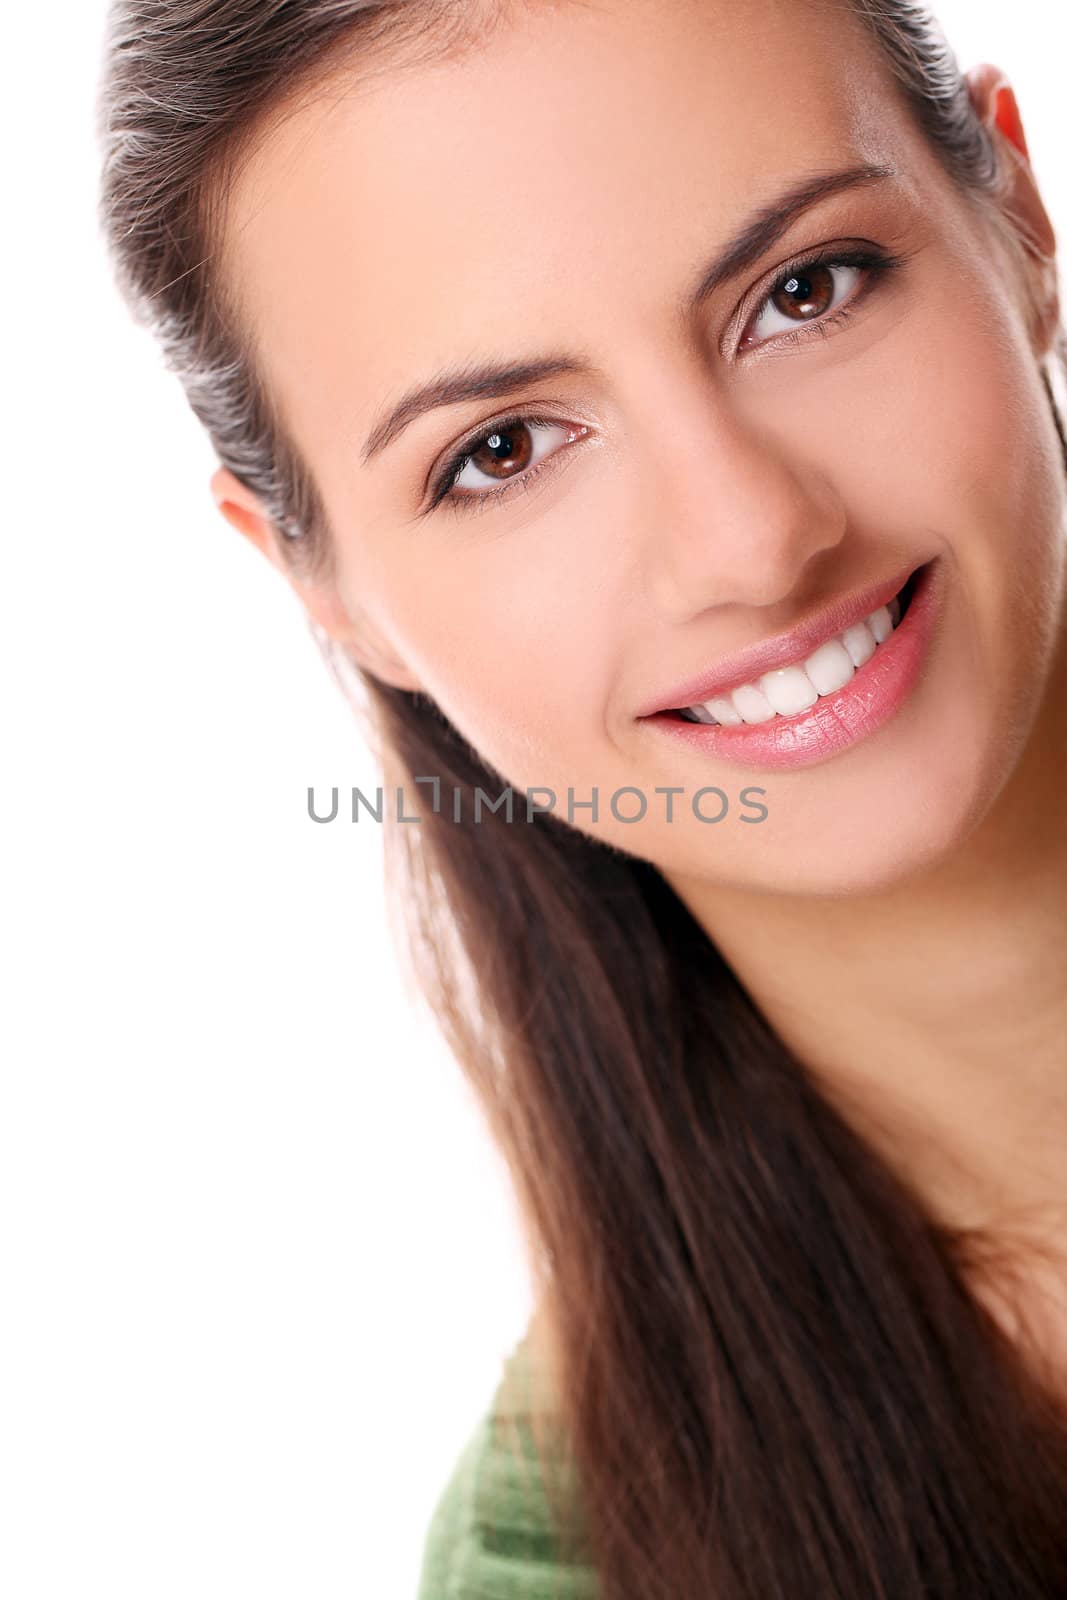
984,443
952,448
971,410
514,648
922,428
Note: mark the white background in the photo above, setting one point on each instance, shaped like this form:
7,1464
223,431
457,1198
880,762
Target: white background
258,1263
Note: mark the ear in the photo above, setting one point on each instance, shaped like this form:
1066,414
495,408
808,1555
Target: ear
365,645
994,101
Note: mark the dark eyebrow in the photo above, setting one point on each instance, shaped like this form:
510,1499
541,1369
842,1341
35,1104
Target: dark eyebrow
489,380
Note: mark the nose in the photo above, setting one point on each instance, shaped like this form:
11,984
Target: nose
735,511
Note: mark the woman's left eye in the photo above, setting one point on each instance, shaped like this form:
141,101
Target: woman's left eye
820,292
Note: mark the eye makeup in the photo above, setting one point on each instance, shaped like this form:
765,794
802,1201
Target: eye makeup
873,263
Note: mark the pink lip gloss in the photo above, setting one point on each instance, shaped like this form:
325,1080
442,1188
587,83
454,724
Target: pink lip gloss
836,721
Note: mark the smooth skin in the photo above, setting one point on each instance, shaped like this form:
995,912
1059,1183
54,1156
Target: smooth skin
900,915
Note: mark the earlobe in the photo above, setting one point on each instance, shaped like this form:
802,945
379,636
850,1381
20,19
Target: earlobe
363,643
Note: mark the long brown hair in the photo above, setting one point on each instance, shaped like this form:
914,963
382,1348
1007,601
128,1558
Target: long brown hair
773,1372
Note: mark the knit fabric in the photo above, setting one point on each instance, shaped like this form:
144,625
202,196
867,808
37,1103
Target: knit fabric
492,1535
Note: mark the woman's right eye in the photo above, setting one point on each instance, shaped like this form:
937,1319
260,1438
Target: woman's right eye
503,455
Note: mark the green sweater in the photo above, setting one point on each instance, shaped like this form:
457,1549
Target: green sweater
491,1535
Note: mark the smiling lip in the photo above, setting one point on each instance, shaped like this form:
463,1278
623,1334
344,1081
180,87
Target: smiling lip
784,650
874,694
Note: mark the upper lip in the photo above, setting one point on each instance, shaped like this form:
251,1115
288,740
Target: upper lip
785,649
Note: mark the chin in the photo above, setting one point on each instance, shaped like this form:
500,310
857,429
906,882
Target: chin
860,834
906,843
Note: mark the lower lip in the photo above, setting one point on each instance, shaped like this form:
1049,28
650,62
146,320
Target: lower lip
874,693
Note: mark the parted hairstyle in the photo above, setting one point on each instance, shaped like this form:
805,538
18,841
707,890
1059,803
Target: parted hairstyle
771,1366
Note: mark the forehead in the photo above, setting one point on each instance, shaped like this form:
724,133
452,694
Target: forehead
579,160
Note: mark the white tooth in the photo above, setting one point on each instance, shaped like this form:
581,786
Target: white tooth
859,642
789,690
751,705
723,711
880,624
830,667
700,713
894,610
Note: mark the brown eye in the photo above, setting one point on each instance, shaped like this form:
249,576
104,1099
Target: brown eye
805,294
815,293
504,452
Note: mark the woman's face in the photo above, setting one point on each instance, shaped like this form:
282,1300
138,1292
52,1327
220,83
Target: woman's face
699,473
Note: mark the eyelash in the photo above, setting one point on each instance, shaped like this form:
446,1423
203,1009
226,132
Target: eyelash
876,265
